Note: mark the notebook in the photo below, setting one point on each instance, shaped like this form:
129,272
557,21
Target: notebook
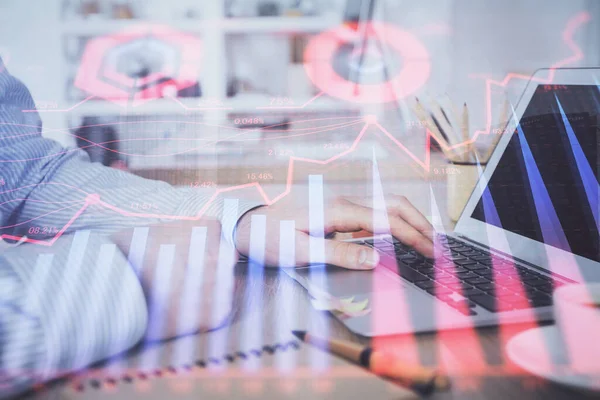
226,364
254,355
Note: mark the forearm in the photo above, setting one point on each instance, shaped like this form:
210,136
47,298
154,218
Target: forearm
46,187
81,195
65,309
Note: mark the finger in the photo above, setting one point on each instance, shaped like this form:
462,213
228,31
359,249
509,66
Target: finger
341,254
408,235
350,216
402,207
350,255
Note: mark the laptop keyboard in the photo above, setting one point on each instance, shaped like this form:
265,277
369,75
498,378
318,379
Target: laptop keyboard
467,276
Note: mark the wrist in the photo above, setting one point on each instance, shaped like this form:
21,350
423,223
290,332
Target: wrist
241,232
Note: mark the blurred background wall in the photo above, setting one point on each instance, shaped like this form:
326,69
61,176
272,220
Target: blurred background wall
469,41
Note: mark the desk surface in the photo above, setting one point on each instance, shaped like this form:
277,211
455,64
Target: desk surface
497,379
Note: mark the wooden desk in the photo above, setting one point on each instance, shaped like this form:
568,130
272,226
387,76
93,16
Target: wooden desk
494,384
499,379
496,380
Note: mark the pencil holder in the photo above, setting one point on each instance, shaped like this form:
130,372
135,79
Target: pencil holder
461,178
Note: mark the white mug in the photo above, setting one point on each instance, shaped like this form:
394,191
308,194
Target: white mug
577,315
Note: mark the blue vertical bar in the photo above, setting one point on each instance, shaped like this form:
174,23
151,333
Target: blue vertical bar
550,225
64,309
253,331
135,258
287,243
227,258
97,296
217,342
42,266
287,306
192,299
258,240
35,290
316,210
380,221
137,248
160,297
316,223
588,177
104,264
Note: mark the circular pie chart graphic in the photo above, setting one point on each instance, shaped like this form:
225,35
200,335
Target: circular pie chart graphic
139,64
391,66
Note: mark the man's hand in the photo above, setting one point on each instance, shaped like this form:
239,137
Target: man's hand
186,276
406,223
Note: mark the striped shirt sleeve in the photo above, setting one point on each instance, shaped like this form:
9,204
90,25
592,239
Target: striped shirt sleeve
49,184
64,308
45,185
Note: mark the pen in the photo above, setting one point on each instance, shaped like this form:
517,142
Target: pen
466,133
425,116
422,380
426,120
443,120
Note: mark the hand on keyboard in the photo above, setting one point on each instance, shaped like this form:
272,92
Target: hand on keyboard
401,218
464,276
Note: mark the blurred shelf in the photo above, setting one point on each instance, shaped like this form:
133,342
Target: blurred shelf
240,156
242,104
281,24
96,27
257,103
228,173
99,108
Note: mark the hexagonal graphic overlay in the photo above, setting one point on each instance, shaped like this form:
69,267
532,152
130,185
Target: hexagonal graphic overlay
140,64
393,65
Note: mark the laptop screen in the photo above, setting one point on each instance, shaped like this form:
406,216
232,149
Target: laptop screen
545,186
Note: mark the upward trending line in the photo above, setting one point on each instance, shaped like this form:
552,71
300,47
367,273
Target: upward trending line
94,199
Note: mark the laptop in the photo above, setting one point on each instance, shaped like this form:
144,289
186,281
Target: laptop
530,226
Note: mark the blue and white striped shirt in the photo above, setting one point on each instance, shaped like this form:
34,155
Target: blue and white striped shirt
49,294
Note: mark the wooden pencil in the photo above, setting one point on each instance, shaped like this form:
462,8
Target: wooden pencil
428,122
457,124
444,121
466,133
438,128
422,380
422,114
455,114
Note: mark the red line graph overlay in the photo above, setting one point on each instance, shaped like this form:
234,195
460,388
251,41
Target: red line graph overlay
117,105
572,25
300,107
237,137
65,110
94,199
186,108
